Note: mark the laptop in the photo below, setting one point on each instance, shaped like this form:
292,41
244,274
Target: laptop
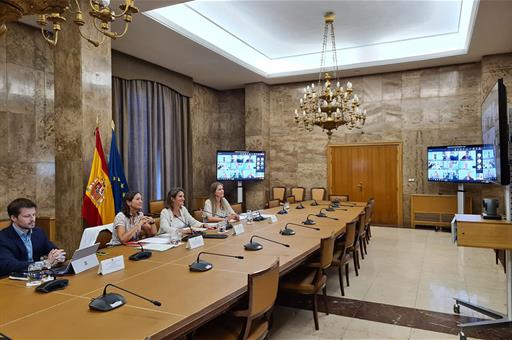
83,259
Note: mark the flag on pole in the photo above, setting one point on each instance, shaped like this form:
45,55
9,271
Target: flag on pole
116,172
98,204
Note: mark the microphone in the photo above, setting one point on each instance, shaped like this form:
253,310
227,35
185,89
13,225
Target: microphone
202,266
258,218
108,301
192,232
141,255
299,206
288,231
257,246
52,285
321,214
228,225
314,203
331,207
282,211
309,221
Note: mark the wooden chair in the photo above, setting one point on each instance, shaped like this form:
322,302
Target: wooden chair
355,249
273,203
290,199
198,215
318,194
299,193
310,278
157,223
371,202
279,193
252,321
103,238
237,208
341,198
342,256
155,207
4,223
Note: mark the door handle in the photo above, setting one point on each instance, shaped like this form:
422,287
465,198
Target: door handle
360,186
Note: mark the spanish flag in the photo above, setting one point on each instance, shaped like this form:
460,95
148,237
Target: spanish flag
98,204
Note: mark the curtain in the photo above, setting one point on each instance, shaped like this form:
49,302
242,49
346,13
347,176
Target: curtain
152,124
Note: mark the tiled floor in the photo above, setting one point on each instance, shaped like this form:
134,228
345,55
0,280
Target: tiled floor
411,268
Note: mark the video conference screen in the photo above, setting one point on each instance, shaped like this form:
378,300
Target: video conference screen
240,165
462,164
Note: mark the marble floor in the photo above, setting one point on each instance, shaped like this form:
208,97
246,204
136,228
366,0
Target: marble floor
418,269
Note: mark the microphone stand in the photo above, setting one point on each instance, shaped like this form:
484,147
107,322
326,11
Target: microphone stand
321,214
253,246
308,221
289,232
314,203
299,206
202,266
108,301
141,255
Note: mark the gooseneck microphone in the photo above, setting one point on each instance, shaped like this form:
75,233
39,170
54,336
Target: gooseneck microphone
228,225
314,203
141,255
259,217
202,266
308,221
331,207
108,301
257,246
322,214
282,211
192,232
288,231
299,206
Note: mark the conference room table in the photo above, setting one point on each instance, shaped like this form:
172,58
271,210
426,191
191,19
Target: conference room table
189,299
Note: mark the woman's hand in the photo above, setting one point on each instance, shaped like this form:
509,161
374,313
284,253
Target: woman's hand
234,217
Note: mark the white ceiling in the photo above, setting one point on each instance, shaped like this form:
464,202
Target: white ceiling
287,30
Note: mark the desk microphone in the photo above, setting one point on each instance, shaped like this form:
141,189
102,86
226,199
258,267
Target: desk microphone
52,285
288,231
108,301
299,206
202,266
228,225
282,211
259,217
314,203
192,232
141,255
321,214
308,221
332,206
257,246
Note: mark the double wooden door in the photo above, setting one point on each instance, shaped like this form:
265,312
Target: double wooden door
369,170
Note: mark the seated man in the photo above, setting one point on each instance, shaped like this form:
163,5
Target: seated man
22,242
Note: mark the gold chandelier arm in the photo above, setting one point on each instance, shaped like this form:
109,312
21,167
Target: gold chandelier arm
127,4
52,42
115,35
95,43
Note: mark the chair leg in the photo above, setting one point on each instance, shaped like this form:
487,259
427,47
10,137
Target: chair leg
355,256
365,240
361,247
325,300
340,273
346,274
315,312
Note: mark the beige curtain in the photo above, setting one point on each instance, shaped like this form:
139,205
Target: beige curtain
153,133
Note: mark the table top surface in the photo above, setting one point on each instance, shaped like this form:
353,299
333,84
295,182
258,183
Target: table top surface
186,297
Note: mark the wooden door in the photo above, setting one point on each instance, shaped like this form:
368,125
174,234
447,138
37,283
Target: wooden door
369,170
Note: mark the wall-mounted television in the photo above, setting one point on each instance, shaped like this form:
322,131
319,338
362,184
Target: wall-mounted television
461,164
240,165
495,130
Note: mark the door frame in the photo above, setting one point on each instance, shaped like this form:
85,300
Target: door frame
399,173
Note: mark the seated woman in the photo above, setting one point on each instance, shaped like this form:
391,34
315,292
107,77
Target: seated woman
216,207
176,216
131,223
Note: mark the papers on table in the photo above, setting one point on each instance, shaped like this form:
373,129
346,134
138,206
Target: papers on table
160,239
160,247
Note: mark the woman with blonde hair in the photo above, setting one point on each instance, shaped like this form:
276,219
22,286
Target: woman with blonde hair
216,207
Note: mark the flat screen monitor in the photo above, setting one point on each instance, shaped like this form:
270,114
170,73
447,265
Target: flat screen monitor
240,165
495,130
461,164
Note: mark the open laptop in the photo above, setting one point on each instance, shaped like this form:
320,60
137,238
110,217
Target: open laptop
83,259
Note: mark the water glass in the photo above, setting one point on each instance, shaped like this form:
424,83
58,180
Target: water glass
249,216
175,237
221,226
35,274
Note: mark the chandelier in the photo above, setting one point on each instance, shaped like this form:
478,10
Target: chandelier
329,105
50,12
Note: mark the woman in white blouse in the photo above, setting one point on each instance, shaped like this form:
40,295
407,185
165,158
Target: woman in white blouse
176,216
216,207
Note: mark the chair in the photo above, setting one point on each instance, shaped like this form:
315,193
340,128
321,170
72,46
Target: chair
318,194
279,193
290,199
310,278
198,215
155,207
298,192
237,208
371,202
342,256
104,238
341,198
355,248
273,203
262,293
93,235
5,223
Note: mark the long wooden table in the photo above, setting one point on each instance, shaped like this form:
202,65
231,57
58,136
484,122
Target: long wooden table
188,299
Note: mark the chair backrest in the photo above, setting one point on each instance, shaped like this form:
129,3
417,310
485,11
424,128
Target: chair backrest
237,208
371,205
155,207
157,223
360,226
326,251
273,203
290,199
262,290
278,193
351,230
5,223
198,215
103,238
318,194
298,192
341,198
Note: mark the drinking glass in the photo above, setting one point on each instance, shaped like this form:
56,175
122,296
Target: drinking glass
221,226
34,276
175,237
249,217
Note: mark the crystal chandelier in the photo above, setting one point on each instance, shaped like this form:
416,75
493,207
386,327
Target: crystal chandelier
329,105
51,12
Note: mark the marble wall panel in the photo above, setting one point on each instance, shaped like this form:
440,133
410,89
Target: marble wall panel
20,43
22,129
21,88
4,136
3,83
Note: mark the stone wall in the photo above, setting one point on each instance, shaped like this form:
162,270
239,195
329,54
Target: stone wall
27,161
217,123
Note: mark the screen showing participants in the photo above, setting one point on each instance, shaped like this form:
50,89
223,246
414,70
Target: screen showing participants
240,165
